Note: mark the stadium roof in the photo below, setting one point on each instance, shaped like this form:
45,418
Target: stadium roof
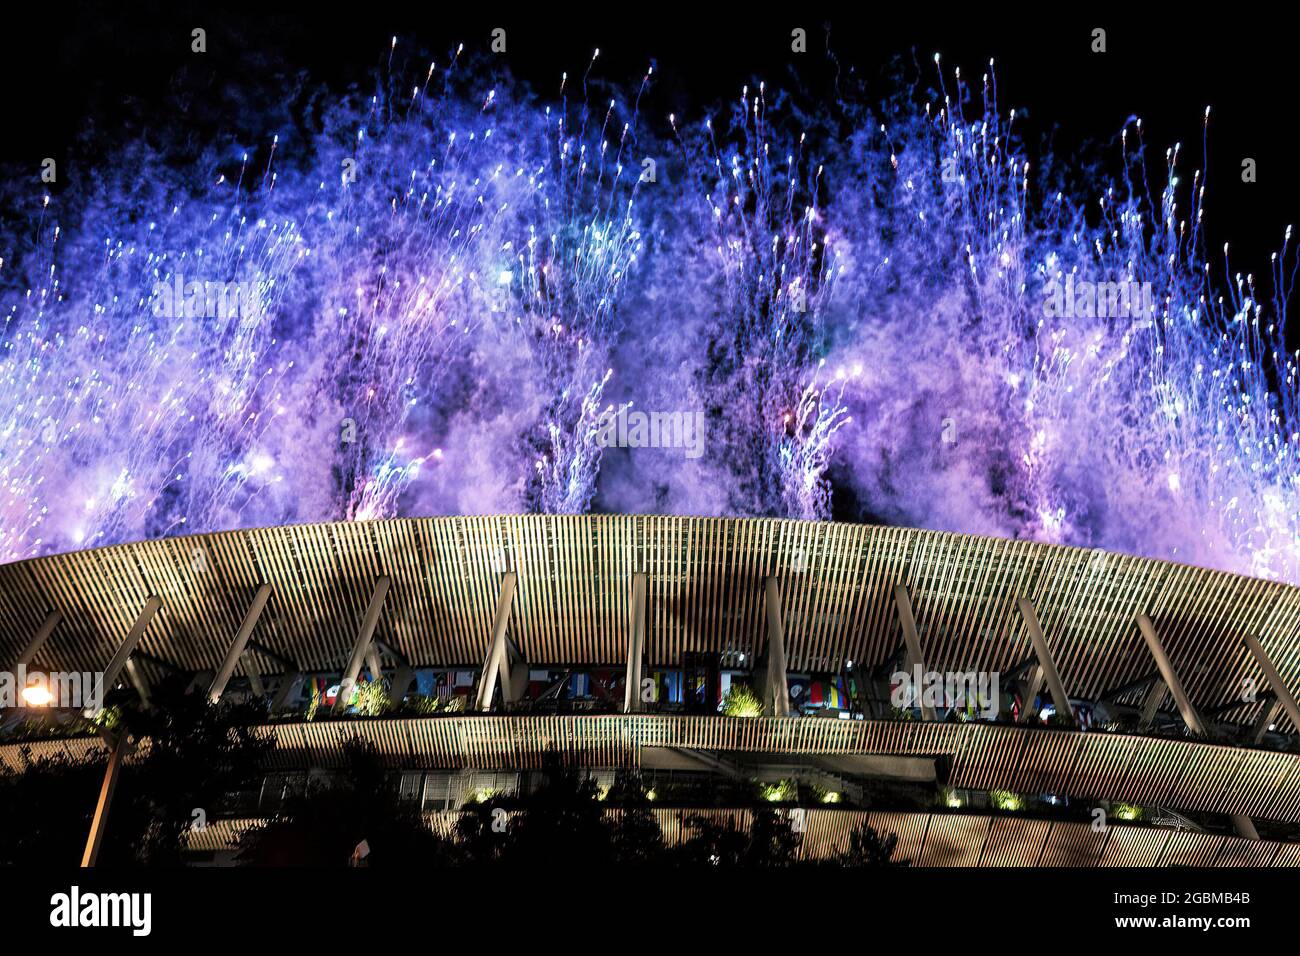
705,593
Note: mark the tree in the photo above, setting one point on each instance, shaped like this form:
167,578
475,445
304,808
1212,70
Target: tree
713,843
772,840
480,834
194,755
324,824
867,848
54,798
636,838
558,820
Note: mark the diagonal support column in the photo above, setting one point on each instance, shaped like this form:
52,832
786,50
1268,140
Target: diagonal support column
1155,698
1060,699
912,643
1240,822
27,656
288,684
635,645
136,676
290,675
365,634
403,677
1167,673
1280,690
1265,721
254,674
121,749
373,664
776,687
201,680
115,666
1030,689
512,678
1244,826
1115,693
240,642
38,641
496,654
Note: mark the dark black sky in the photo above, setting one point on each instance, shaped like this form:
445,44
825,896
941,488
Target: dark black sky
68,69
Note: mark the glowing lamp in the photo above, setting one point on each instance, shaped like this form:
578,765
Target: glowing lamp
37,695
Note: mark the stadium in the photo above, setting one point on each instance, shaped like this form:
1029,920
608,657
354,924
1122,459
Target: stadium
1130,712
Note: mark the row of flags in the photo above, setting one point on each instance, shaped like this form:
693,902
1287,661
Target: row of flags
665,687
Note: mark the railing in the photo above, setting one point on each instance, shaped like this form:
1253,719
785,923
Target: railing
1182,774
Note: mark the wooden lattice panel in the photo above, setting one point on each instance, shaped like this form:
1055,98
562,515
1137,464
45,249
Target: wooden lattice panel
705,593
979,757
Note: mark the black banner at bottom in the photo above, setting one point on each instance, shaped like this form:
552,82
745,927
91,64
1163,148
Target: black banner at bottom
254,906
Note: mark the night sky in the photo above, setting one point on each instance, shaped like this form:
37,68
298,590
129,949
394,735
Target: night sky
1173,439
93,66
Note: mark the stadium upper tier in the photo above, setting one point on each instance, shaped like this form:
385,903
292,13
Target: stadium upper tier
705,588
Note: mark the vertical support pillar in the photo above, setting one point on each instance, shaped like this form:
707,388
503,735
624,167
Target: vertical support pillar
240,642
364,636
776,698
496,654
912,642
1060,699
635,645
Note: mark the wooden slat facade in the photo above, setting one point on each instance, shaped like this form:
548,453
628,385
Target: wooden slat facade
705,594
1147,771
945,839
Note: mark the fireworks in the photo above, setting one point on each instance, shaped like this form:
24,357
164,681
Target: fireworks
437,293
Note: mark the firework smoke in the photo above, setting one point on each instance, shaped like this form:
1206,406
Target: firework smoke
442,291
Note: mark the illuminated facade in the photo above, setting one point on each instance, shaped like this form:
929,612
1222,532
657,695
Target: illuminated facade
706,649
